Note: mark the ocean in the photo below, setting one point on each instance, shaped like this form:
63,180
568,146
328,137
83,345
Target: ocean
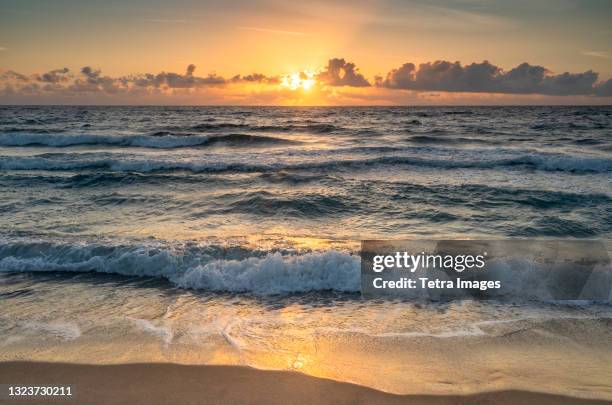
231,235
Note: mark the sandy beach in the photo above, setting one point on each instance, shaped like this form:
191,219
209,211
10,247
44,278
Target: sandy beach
182,384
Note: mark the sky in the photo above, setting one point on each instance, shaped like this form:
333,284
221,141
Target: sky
270,52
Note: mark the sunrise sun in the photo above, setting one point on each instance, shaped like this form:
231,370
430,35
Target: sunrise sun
299,81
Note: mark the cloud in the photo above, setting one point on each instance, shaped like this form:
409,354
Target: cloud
604,89
256,78
2,48
175,80
598,54
92,81
338,72
11,75
55,76
339,82
487,78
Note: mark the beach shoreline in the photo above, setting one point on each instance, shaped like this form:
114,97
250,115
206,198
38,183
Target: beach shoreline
164,383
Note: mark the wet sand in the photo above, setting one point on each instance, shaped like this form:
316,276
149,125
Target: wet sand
183,384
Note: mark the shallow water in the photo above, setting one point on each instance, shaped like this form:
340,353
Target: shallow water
230,236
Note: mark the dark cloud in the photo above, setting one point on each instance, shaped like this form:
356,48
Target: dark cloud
256,78
338,72
605,89
190,69
569,84
90,74
55,76
176,80
487,78
93,82
10,75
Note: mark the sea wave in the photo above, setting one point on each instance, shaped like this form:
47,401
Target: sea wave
427,139
534,161
157,140
265,273
217,268
313,128
246,139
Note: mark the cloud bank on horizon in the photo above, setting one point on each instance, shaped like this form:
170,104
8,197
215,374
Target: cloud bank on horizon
438,76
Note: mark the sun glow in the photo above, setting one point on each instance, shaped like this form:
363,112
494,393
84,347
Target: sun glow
299,80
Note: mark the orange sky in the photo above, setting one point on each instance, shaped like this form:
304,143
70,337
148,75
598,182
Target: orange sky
126,39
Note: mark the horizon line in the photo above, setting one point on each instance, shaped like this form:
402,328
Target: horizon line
308,106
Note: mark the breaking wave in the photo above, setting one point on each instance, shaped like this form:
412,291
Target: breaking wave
240,270
265,273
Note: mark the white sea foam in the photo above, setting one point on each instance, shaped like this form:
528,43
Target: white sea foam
61,329
277,274
482,328
273,273
165,333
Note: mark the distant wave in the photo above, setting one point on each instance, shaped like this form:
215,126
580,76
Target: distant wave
220,126
32,130
588,141
458,112
426,139
252,196
70,162
157,140
317,128
64,140
245,139
560,125
305,205
270,273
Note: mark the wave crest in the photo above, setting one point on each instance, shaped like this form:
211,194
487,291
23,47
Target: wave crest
202,269
158,140
543,162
